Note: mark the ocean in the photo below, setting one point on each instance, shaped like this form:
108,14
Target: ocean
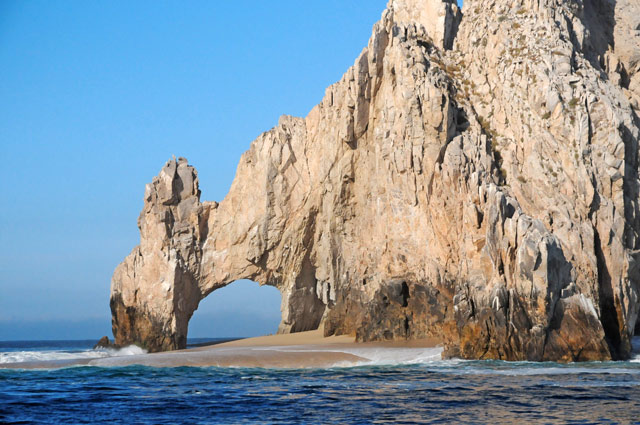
417,389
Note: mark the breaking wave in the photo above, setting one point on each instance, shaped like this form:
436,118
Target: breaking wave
373,356
635,351
57,355
396,356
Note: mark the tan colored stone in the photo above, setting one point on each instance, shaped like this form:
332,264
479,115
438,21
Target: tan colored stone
474,180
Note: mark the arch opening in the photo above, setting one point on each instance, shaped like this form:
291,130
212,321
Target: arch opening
241,309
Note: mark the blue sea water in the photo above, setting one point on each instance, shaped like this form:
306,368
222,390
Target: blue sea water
435,391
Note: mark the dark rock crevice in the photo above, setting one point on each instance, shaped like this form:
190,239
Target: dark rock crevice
608,310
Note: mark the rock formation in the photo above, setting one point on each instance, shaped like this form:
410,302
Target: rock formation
104,342
473,178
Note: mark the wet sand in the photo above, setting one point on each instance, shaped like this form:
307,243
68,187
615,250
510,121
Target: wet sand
299,350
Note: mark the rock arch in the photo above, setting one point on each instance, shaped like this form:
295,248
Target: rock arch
423,197
188,249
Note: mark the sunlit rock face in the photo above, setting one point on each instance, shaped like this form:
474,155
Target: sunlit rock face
472,178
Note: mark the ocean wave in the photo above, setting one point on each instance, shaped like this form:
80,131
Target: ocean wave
382,356
56,355
477,367
374,356
635,349
431,358
396,356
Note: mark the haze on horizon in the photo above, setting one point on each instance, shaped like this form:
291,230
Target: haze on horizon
97,96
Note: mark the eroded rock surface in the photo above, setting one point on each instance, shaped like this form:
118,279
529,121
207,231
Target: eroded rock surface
473,178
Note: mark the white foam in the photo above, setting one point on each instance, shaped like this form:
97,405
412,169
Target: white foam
635,349
131,350
374,356
56,355
396,356
521,369
432,359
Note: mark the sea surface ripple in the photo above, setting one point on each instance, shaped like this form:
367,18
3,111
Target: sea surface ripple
432,392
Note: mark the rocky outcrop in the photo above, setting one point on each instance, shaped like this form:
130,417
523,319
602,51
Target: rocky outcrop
104,342
472,178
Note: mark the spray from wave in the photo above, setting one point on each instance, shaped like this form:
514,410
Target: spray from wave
372,356
56,355
635,351
396,356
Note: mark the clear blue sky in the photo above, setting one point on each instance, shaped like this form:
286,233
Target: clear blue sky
96,95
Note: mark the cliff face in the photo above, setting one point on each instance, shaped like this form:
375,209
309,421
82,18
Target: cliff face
472,177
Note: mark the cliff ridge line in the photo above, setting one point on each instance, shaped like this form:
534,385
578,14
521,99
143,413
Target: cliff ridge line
472,178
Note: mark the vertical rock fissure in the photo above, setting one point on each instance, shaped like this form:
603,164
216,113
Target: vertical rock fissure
608,312
405,294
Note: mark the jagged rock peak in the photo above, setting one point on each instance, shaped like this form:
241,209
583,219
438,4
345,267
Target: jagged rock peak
177,181
471,179
440,18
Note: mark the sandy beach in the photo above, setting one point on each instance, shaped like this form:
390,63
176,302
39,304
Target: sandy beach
299,350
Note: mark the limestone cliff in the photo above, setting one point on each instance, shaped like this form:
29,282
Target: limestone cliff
472,177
